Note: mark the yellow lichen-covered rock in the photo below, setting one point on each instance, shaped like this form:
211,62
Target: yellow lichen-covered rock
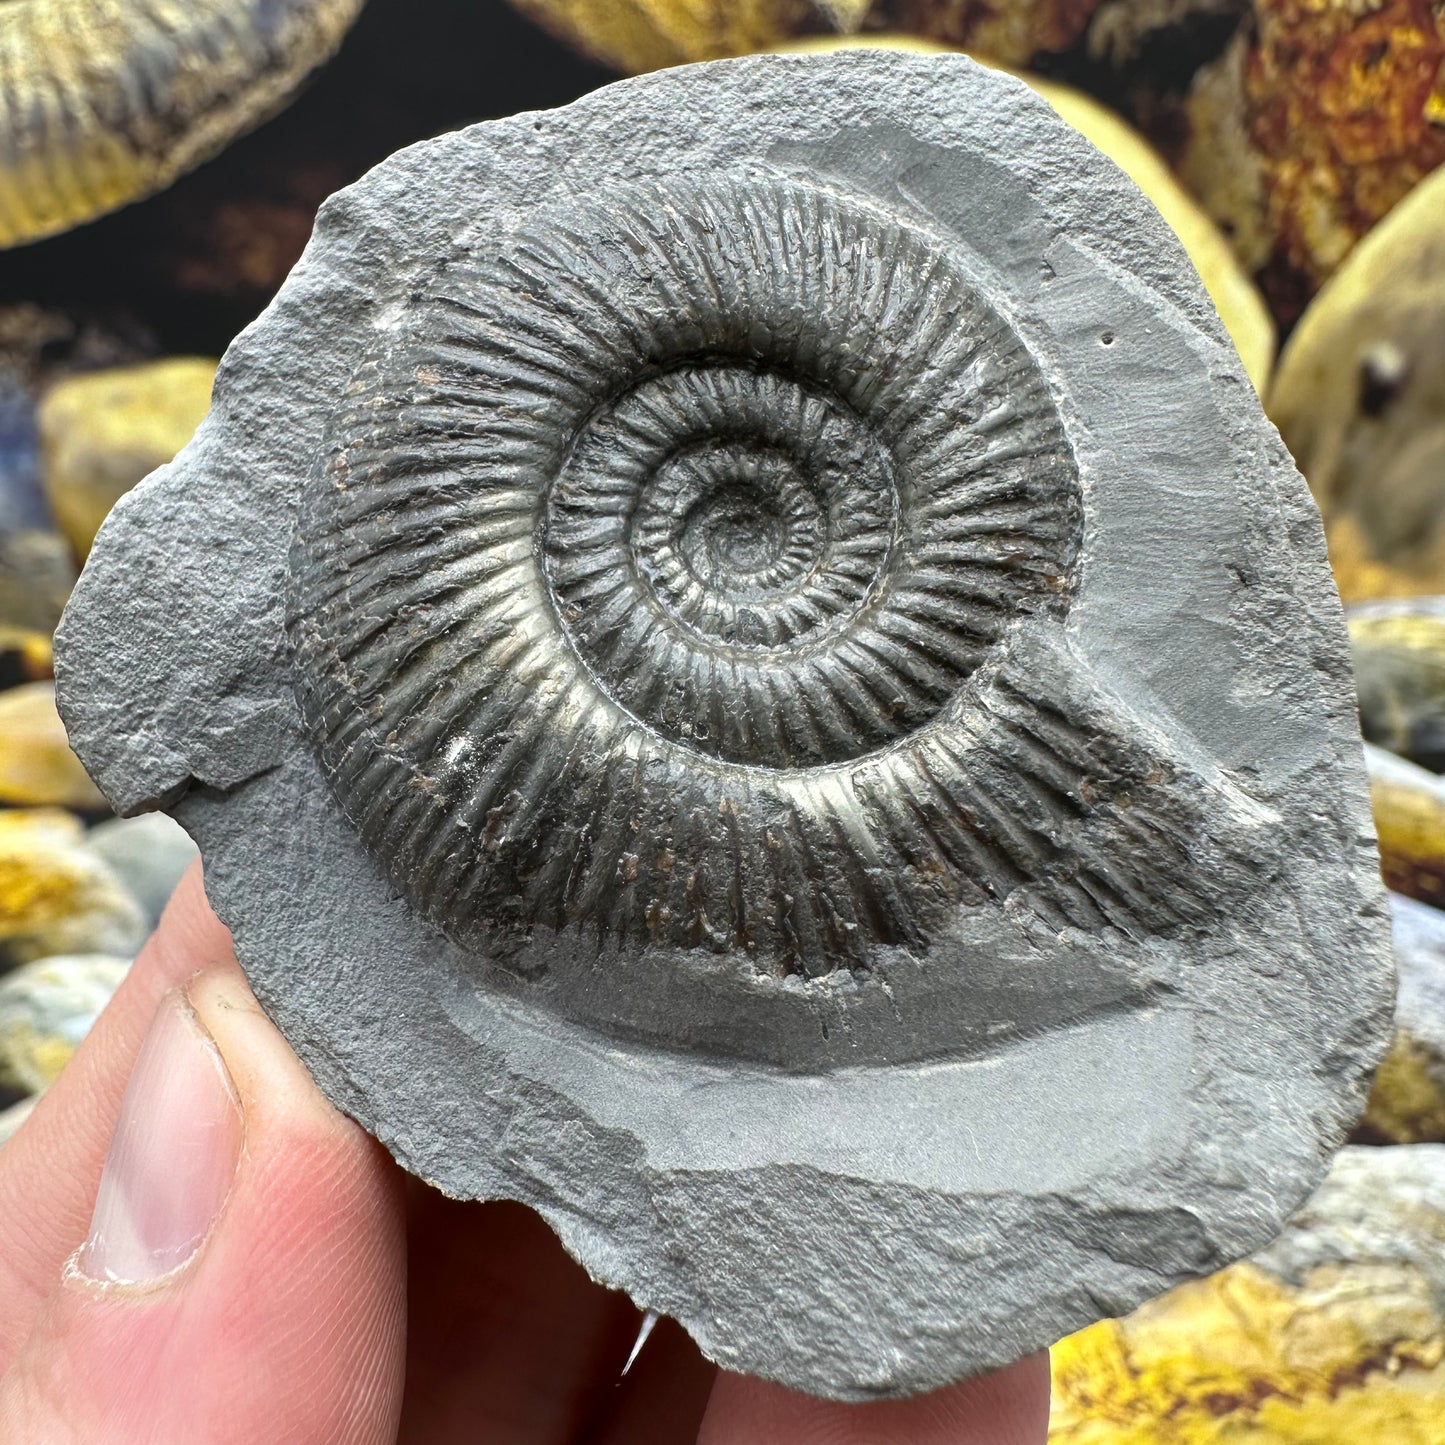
46,1009
37,767
110,100
56,896
103,431
1237,299
1335,1335
1359,397
637,35
1398,650
1409,810
1407,1101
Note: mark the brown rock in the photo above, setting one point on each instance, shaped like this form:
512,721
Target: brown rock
1312,127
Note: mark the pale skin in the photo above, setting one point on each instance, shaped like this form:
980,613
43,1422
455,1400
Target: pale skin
329,1299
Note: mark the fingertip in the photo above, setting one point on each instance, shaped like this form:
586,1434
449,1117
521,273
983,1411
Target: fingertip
1006,1407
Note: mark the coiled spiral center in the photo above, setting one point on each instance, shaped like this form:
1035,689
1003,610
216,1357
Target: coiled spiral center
710,528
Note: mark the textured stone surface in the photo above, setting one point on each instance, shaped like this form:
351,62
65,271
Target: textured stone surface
102,432
56,896
46,1009
1336,1333
749,673
1407,1101
148,854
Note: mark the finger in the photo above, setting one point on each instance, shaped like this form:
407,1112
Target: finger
243,1278
50,1169
508,1341
1008,1407
661,1399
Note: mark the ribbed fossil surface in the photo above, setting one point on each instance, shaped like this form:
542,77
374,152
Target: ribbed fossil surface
664,580
105,101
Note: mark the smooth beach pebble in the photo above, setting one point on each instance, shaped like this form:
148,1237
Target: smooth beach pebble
1407,1103
37,572
1359,397
56,896
1398,649
37,767
148,855
103,432
46,1009
1409,810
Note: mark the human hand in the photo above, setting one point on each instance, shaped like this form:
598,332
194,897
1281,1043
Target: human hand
252,1267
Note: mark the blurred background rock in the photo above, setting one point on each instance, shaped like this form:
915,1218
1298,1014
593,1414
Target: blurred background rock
1293,147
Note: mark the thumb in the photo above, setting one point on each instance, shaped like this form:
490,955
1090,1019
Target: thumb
244,1276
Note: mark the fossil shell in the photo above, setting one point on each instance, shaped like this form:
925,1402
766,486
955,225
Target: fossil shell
110,100
748,672
666,579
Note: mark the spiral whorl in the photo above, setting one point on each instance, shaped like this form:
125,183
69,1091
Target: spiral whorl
666,510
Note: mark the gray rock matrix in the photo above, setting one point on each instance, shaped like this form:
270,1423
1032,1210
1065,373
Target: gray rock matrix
749,673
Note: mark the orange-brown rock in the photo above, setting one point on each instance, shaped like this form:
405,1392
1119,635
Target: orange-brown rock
1312,126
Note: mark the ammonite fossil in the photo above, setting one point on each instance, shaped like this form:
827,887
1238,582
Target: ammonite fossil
110,100
749,673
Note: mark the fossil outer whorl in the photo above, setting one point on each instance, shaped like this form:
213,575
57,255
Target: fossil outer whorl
110,100
749,673
673,523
